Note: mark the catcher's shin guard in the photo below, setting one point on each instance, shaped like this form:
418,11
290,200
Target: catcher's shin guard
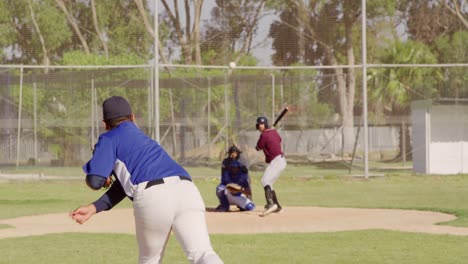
223,200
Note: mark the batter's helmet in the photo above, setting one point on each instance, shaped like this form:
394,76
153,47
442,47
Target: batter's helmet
261,120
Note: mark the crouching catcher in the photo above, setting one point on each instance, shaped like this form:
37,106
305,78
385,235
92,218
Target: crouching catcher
234,188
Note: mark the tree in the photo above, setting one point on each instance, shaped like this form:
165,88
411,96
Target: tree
97,28
459,9
332,47
451,49
394,89
34,32
150,30
45,52
188,33
426,20
74,24
228,37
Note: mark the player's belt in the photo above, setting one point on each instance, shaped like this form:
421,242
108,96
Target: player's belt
161,181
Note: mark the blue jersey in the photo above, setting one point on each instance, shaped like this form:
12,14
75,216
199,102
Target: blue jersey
132,156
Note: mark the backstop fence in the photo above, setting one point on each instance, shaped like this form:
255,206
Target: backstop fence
53,116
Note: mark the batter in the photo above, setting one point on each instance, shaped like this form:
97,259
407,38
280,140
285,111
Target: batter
270,143
163,194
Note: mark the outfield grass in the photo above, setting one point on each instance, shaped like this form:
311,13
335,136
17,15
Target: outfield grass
351,247
298,186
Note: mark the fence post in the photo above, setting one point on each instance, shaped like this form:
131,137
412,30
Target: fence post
35,122
364,87
226,111
20,102
209,118
272,97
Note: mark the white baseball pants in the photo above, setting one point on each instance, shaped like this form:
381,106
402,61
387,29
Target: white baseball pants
273,171
174,205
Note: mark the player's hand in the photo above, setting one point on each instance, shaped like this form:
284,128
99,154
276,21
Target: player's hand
83,213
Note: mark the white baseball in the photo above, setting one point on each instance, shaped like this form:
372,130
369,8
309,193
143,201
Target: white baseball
232,65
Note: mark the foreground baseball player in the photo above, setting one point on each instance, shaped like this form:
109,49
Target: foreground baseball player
163,194
234,188
270,143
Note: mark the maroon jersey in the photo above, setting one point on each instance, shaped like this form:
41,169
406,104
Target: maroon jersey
270,143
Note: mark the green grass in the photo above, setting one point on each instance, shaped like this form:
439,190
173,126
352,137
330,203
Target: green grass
298,186
360,247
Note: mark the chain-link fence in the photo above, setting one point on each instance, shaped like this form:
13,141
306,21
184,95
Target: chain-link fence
55,118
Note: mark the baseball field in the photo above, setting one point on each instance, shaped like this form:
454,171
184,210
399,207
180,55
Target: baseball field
396,218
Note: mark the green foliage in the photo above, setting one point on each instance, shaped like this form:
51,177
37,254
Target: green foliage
400,85
248,60
452,48
377,8
6,30
77,57
52,24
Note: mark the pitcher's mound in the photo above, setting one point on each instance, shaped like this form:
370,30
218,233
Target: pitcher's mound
291,219
319,219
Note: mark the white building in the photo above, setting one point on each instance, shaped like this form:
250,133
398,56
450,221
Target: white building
440,136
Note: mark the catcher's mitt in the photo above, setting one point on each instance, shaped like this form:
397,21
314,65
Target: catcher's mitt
234,188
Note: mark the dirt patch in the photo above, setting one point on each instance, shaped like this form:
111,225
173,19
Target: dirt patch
292,219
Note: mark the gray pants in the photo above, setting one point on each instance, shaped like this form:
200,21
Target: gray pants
273,171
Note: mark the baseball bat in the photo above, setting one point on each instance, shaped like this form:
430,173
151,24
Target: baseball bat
285,110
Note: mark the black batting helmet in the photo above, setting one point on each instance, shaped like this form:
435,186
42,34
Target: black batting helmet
261,120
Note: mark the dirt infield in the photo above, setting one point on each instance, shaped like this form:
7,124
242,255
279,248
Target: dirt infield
292,219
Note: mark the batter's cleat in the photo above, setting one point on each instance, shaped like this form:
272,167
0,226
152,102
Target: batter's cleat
278,210
269,208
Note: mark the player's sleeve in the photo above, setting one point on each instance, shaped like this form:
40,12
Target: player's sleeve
260,143
95,182
111,198
103,160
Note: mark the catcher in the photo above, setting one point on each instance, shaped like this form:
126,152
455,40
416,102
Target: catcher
234,188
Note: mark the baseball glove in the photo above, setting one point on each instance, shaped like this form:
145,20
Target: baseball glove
234,188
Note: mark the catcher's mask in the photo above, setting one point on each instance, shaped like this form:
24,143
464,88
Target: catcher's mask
261,120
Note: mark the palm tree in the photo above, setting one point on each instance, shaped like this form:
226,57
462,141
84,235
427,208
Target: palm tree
392,89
